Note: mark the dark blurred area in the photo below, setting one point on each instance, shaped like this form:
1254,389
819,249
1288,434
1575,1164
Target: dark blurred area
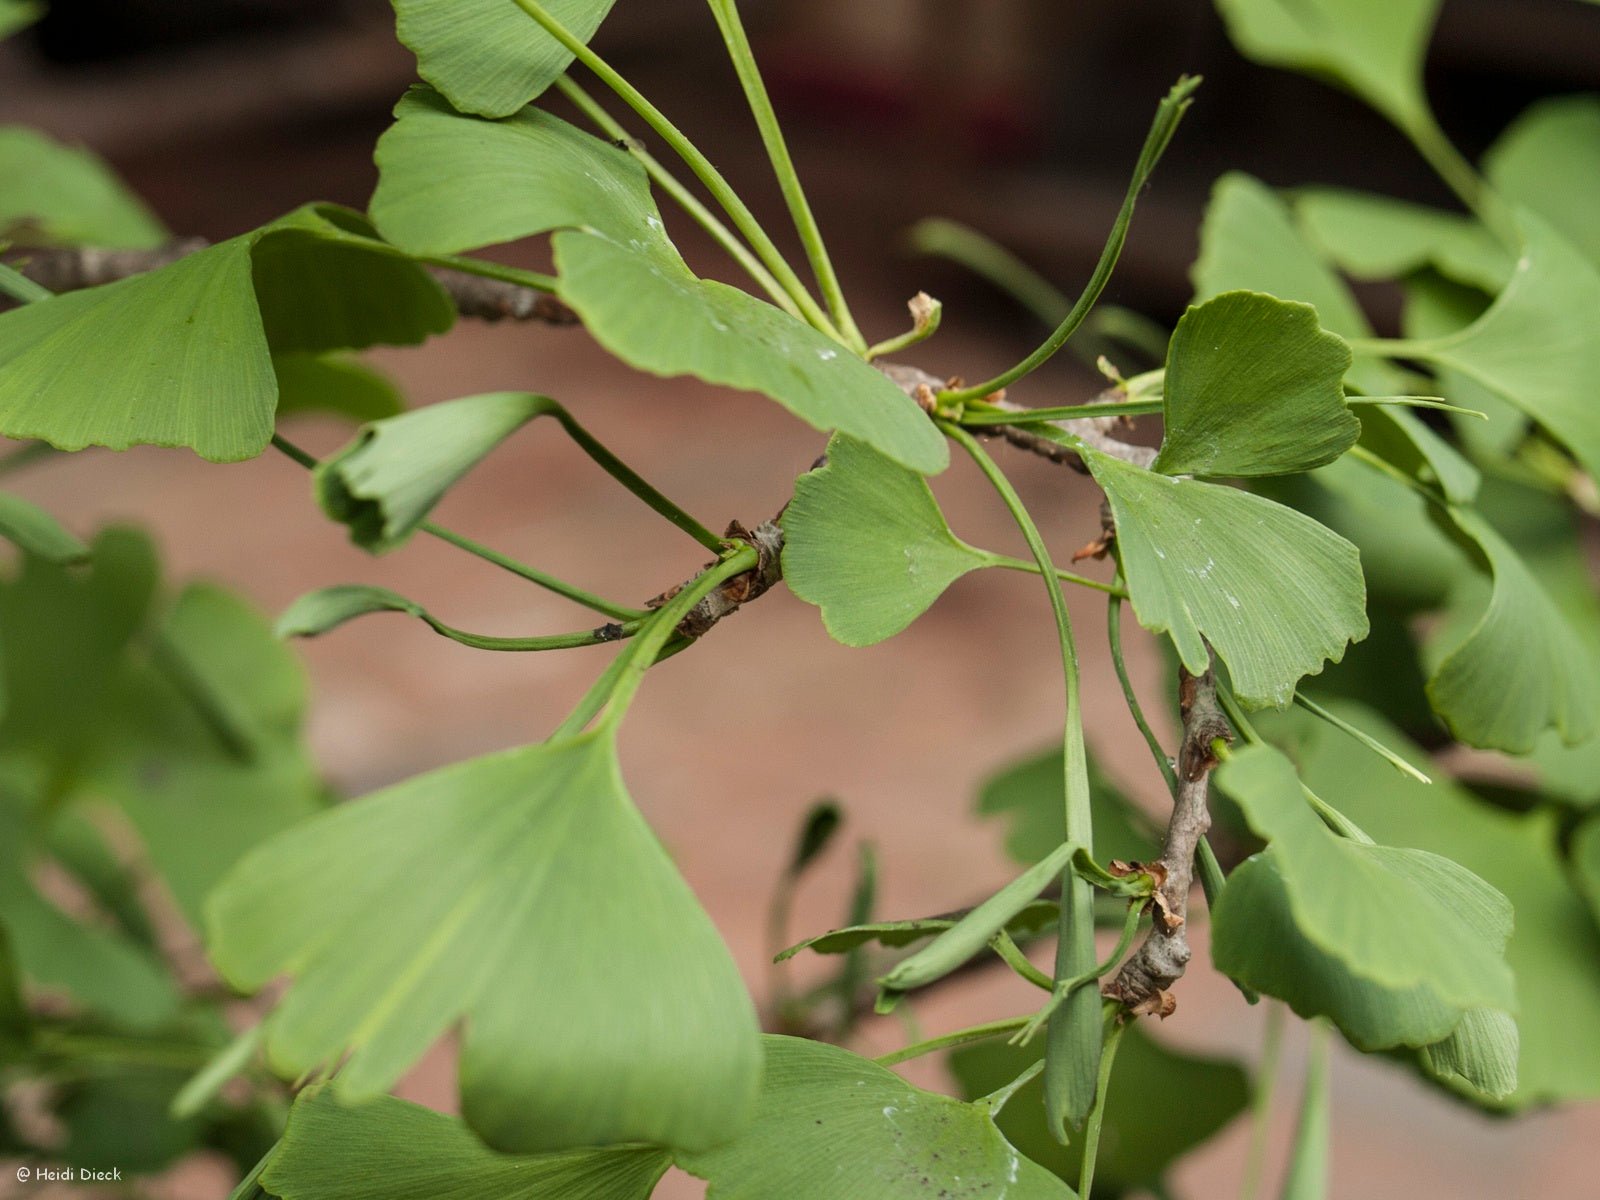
1018,116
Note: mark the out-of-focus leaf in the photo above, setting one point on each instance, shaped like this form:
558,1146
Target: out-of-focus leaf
392,1150
657,1035
1275,593
58,194
18,14
321,383
37,532
120,1120
1479,1057
488,57
1403,919
1028,796
1135,1151
1249,242
1374,48
450,182
1535,346
1522,668
1402,440
817,831
1435,307
864,540
1307,1177
14,1018
1254,387
1555,948
1374,237
1586,862
78,369
1548,160
830,1125
1032,918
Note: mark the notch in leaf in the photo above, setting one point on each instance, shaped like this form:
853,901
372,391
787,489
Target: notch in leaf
1254,386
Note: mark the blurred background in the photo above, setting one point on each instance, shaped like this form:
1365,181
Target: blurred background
1020,117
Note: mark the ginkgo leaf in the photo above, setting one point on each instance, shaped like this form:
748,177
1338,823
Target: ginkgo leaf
182,356
534,858
833,1126
386,481
1479,1057
1522,668
489,57
1535,346
450,182
1374,48
1375,237
1135,1152
1555,947
1400,918
1249,242
1435,307
325,383
1254,387
648,309
1274,593
37,532
393,1150
55,193
864,540
1548,161
325,609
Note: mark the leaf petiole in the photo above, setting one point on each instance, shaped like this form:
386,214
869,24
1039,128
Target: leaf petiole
961,1037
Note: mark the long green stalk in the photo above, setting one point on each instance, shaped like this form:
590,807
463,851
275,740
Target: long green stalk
805,222
680,195
721,191
1072,1053
1168,115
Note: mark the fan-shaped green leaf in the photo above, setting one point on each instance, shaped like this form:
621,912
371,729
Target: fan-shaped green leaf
1374,237
1373,48
864,540
1479,1057
1135,1151
832,1126
1403,441
180,356
1522,668
323,383
1554,949
54,193
1399,918
1275,593
1434,308
1536,345
386,482
1254,387
448,183
1549,162
325,609
535,859
1249,242
490,57
37,532
392,1150
649,310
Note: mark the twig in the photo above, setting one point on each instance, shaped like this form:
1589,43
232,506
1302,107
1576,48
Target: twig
70,270
1160,961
